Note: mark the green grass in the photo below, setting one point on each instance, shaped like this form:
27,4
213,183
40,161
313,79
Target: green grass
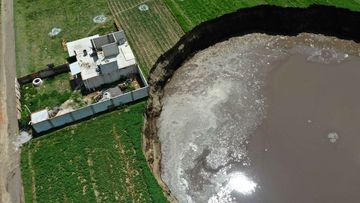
34,19
191,13
53,92
97,160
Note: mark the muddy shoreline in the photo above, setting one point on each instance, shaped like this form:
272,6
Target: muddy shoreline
329,21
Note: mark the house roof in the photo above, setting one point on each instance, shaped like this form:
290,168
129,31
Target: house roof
78,46
88,61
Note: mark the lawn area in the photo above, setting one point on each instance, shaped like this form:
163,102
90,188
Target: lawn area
52,93
34,19
99,160
37,98
191,13
150,32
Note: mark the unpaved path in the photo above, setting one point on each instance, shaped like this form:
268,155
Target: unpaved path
10,177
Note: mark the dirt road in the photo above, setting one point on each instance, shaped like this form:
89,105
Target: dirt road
10,177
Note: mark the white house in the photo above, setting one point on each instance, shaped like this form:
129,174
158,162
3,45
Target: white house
102,59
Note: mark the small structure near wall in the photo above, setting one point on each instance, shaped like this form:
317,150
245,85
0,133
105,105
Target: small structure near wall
101,59
39,116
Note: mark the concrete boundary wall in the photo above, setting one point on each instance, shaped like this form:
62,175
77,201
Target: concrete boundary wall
123,99
93,109
45,73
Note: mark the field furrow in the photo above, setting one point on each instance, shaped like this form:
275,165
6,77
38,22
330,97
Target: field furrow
135,40
143,41
150,32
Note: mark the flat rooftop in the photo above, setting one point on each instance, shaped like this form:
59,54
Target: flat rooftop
89,62
78,46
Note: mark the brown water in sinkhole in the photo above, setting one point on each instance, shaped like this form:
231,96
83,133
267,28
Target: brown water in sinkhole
264,119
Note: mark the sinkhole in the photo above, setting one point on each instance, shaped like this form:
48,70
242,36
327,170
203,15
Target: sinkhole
260,118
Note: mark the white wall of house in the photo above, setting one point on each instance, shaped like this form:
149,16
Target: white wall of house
106,78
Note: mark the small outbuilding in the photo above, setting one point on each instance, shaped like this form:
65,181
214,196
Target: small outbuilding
39,116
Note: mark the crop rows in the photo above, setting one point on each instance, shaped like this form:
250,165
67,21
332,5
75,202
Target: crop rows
99,160
150,32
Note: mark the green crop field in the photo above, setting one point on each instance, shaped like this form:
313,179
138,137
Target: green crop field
99,160
34,19
191,13
149,32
